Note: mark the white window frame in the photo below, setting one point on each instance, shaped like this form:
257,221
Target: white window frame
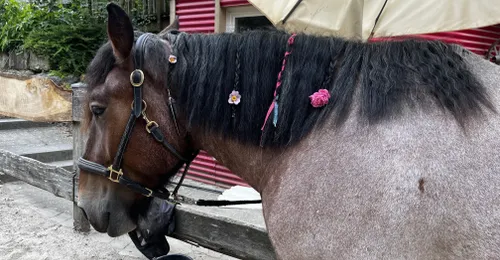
232,13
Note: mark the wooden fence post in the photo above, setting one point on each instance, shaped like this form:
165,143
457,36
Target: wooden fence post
80,222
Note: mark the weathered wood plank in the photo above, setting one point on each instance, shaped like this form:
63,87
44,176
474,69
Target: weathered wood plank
80,222
222,234
78,98
53,179
33,98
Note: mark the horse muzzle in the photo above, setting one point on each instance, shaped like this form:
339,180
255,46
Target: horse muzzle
108,217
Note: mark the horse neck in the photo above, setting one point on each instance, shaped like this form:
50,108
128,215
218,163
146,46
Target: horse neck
254,164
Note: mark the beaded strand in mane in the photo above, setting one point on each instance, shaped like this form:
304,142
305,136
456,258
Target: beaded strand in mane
382,77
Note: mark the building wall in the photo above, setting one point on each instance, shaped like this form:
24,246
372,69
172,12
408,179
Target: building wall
476,40
229,3
196,15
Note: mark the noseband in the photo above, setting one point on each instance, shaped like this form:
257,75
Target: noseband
114,172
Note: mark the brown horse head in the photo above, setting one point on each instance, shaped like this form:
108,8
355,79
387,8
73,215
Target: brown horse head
109,206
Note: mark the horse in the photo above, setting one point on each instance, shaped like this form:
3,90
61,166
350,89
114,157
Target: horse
378,150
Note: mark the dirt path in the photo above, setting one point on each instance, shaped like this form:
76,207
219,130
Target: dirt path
36,225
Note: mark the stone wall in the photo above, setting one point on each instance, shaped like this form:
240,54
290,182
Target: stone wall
23,61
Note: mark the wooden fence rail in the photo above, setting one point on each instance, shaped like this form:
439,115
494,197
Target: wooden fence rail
46,177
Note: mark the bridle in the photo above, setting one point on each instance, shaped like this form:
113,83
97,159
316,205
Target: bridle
114,172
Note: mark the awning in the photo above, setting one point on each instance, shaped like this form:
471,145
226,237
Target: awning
362,19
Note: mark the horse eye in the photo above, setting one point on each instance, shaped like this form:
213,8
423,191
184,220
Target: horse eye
97,110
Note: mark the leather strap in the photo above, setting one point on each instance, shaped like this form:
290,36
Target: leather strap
117,162
137,77
137,101
219,203
139,188
92,167
160,137
161,193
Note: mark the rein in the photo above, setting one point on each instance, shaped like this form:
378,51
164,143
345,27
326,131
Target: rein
115,173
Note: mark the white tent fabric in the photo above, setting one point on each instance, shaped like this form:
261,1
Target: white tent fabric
356,18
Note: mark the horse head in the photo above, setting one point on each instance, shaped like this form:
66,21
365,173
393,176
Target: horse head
136,142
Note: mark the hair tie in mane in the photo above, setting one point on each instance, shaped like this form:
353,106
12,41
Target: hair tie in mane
274,103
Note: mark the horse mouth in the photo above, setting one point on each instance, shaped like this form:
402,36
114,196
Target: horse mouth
101,224
114,231
113,224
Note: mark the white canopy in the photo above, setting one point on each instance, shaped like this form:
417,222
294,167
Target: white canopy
358,18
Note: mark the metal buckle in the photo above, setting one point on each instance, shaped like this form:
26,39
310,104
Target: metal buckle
150,125
145,105
119,174
141,74
150,192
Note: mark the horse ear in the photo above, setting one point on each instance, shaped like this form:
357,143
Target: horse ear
172,27
120,31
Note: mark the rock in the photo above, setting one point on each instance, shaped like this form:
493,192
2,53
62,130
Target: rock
4,61
38,63
18,61
66,81
16,74
34,98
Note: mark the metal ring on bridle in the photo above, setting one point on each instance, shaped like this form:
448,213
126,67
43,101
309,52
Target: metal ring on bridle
143,102
137,78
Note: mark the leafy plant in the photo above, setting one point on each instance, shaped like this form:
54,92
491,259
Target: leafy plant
68,34
70,40
17,20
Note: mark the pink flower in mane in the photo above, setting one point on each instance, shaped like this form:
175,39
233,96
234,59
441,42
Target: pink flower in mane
320,98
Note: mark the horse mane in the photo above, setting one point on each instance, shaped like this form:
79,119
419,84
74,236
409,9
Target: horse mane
380,77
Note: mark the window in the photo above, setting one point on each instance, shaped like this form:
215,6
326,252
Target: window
252,23
240,19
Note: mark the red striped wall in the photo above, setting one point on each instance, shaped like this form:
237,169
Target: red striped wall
196,15
207,170
476,40
228,3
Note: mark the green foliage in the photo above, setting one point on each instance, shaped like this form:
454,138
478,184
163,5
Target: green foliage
17,20
69,38
67,34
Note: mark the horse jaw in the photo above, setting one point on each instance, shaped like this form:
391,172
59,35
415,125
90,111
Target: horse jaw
107,216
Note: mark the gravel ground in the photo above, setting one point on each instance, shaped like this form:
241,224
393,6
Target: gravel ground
36,225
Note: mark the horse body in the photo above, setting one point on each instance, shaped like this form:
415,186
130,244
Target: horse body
390,169
419,187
